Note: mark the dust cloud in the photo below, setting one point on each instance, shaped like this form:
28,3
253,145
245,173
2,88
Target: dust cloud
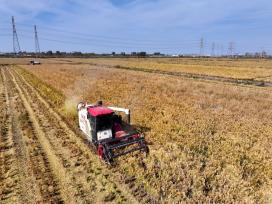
83,87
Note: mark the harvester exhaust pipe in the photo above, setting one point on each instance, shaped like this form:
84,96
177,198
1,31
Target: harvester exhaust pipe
99,103
128,116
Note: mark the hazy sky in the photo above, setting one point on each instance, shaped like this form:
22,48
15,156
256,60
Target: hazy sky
170,26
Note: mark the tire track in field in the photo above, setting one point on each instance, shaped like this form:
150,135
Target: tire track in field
23,183
38,184
84,168
68,190
18,186
35,181
9,175
83,152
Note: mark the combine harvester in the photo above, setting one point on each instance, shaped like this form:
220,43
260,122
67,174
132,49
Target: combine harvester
108,132
34,62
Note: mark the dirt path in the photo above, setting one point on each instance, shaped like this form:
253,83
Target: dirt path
106,184
50,163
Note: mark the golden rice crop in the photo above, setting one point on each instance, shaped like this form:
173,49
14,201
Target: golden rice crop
209,142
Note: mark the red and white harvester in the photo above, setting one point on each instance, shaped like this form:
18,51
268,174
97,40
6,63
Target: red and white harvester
108,132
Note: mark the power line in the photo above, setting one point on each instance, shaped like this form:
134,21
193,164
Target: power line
48,29
69,37
79,40
101,45
191,43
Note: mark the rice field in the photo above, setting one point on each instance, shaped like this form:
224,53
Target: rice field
209,141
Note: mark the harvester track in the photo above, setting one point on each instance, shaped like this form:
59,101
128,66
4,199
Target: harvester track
75,153
32,180
9,189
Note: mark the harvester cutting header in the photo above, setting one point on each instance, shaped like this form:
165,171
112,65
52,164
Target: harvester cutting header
108,132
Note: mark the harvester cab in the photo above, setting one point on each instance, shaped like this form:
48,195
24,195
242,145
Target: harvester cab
105,128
